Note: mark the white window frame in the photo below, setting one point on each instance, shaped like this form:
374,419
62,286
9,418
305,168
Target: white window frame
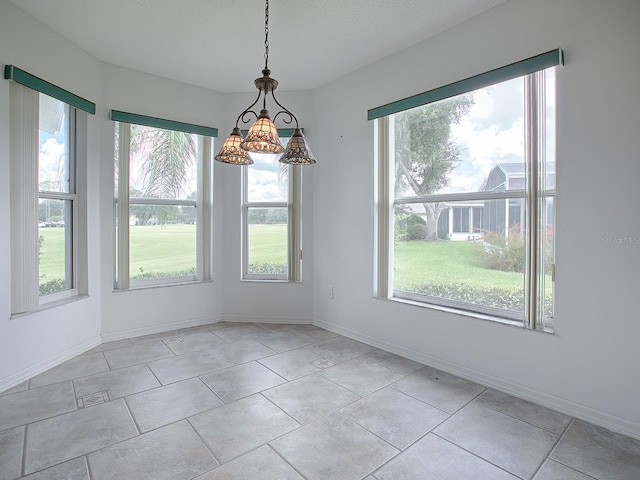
294,225
25,91
203,203
535,193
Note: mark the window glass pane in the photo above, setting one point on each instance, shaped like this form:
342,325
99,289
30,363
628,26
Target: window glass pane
468,143
162,241
162,164
548,240
267,241
267,181
483,269
53,160
54,245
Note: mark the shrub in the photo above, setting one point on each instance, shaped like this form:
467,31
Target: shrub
177,273
408,227
498,252
51,286
508,254
502,298
418,232
267,268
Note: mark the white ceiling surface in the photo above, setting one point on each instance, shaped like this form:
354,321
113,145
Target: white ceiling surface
219,44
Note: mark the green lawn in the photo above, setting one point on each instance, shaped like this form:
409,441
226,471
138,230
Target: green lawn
418,262
268,245
171,249
51,254
162,250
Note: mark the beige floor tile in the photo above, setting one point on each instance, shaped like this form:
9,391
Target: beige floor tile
36,404
181,367
168,404
138,353
117,383
75,469
71,435
395,417
556,471
361,376
333,447
309,398
340,349
241,381
515,446
239,427
439,389
263,462
526,411
173,452
435,458
11,442
599,452
80,366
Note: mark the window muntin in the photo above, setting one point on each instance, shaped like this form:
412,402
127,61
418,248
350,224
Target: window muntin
460,199
164,236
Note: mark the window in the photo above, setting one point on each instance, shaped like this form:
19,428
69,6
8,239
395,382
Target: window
271,220
466,193
163,179
48,182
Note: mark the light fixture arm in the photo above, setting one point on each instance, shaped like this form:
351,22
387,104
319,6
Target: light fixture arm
242,117
285,111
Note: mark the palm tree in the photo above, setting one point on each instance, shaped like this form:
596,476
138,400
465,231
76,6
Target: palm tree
165,169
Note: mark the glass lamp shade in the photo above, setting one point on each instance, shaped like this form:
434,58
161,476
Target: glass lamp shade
262,137
232,152
298,151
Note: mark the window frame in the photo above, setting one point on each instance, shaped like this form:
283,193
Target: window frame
123,201
294,223
535,192
25,93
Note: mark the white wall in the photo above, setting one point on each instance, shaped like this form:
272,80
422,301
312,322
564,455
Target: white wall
31,343
589,367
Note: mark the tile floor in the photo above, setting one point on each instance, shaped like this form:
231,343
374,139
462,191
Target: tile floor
256,401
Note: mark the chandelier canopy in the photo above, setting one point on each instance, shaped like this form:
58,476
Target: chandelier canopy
262,138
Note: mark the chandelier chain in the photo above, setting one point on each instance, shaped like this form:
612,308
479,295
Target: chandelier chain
266,34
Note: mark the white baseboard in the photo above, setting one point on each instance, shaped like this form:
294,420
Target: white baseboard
29,372
165,327
232,318
562,405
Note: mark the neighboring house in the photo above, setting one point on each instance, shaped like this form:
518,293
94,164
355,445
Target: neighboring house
461,221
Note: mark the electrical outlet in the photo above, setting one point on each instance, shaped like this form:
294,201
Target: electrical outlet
331,292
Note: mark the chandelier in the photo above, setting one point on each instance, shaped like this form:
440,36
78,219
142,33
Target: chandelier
262,138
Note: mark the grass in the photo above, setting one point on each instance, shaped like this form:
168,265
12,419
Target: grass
165,249
419,262
172,248
268,244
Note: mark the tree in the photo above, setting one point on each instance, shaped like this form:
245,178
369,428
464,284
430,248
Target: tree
425,154
167,156
165,167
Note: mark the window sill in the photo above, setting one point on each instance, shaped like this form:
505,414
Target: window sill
463,313
50,305
160,285
267,280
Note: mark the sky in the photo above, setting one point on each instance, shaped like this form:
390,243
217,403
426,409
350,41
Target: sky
493,132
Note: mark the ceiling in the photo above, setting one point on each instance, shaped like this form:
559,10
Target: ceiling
219,44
